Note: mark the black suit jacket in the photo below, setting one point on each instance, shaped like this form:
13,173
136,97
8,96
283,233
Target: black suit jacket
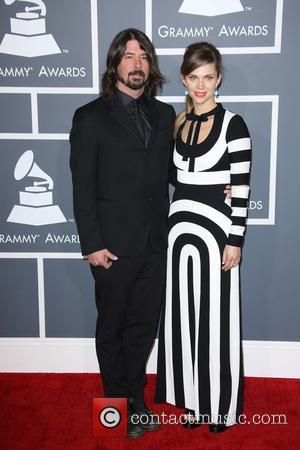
120,187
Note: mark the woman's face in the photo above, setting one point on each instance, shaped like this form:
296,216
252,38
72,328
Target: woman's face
201,84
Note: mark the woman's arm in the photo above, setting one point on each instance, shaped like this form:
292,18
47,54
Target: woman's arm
239,150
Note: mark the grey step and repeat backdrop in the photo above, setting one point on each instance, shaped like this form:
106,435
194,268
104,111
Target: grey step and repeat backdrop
52,55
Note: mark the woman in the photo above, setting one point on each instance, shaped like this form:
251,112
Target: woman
200,356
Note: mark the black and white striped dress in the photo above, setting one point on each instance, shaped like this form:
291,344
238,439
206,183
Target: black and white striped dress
200,355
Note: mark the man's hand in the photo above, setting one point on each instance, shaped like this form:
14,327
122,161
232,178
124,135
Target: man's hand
227,191
101,258
231,257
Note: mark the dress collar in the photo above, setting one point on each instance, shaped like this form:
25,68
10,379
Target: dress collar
203,117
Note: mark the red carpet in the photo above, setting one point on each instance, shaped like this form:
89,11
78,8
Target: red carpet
54,412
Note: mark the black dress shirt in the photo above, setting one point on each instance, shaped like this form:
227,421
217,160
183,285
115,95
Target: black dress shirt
138,109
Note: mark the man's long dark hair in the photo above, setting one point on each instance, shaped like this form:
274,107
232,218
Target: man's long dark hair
115,54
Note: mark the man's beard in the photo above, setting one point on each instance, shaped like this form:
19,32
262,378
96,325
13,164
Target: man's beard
135,85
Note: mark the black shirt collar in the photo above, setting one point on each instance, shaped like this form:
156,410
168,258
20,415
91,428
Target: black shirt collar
126,99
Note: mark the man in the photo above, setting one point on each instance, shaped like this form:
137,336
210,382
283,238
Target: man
121,162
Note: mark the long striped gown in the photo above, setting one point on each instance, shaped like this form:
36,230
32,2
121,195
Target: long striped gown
200,356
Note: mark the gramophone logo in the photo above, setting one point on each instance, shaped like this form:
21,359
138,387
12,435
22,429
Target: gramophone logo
28,35
210,7
36,201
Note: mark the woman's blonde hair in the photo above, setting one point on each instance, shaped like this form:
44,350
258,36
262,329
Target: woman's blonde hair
195,56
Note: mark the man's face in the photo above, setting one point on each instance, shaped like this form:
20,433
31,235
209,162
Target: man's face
133,70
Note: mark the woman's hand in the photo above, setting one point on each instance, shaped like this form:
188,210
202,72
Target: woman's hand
231,257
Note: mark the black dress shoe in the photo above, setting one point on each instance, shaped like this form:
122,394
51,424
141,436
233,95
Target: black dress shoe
217,428
191,421
134,429
148,420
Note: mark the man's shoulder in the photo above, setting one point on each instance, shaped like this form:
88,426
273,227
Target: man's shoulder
92,108
166,111
163,106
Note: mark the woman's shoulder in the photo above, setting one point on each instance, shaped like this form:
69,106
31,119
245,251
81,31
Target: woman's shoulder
237,127
234,117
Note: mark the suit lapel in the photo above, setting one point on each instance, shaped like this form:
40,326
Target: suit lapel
154,117
119,112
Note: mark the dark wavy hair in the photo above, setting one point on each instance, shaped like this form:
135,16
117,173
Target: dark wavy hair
115,54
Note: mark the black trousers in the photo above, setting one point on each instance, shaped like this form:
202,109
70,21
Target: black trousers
128,299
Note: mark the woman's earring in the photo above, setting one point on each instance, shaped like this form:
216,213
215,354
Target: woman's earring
186,91
216,93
